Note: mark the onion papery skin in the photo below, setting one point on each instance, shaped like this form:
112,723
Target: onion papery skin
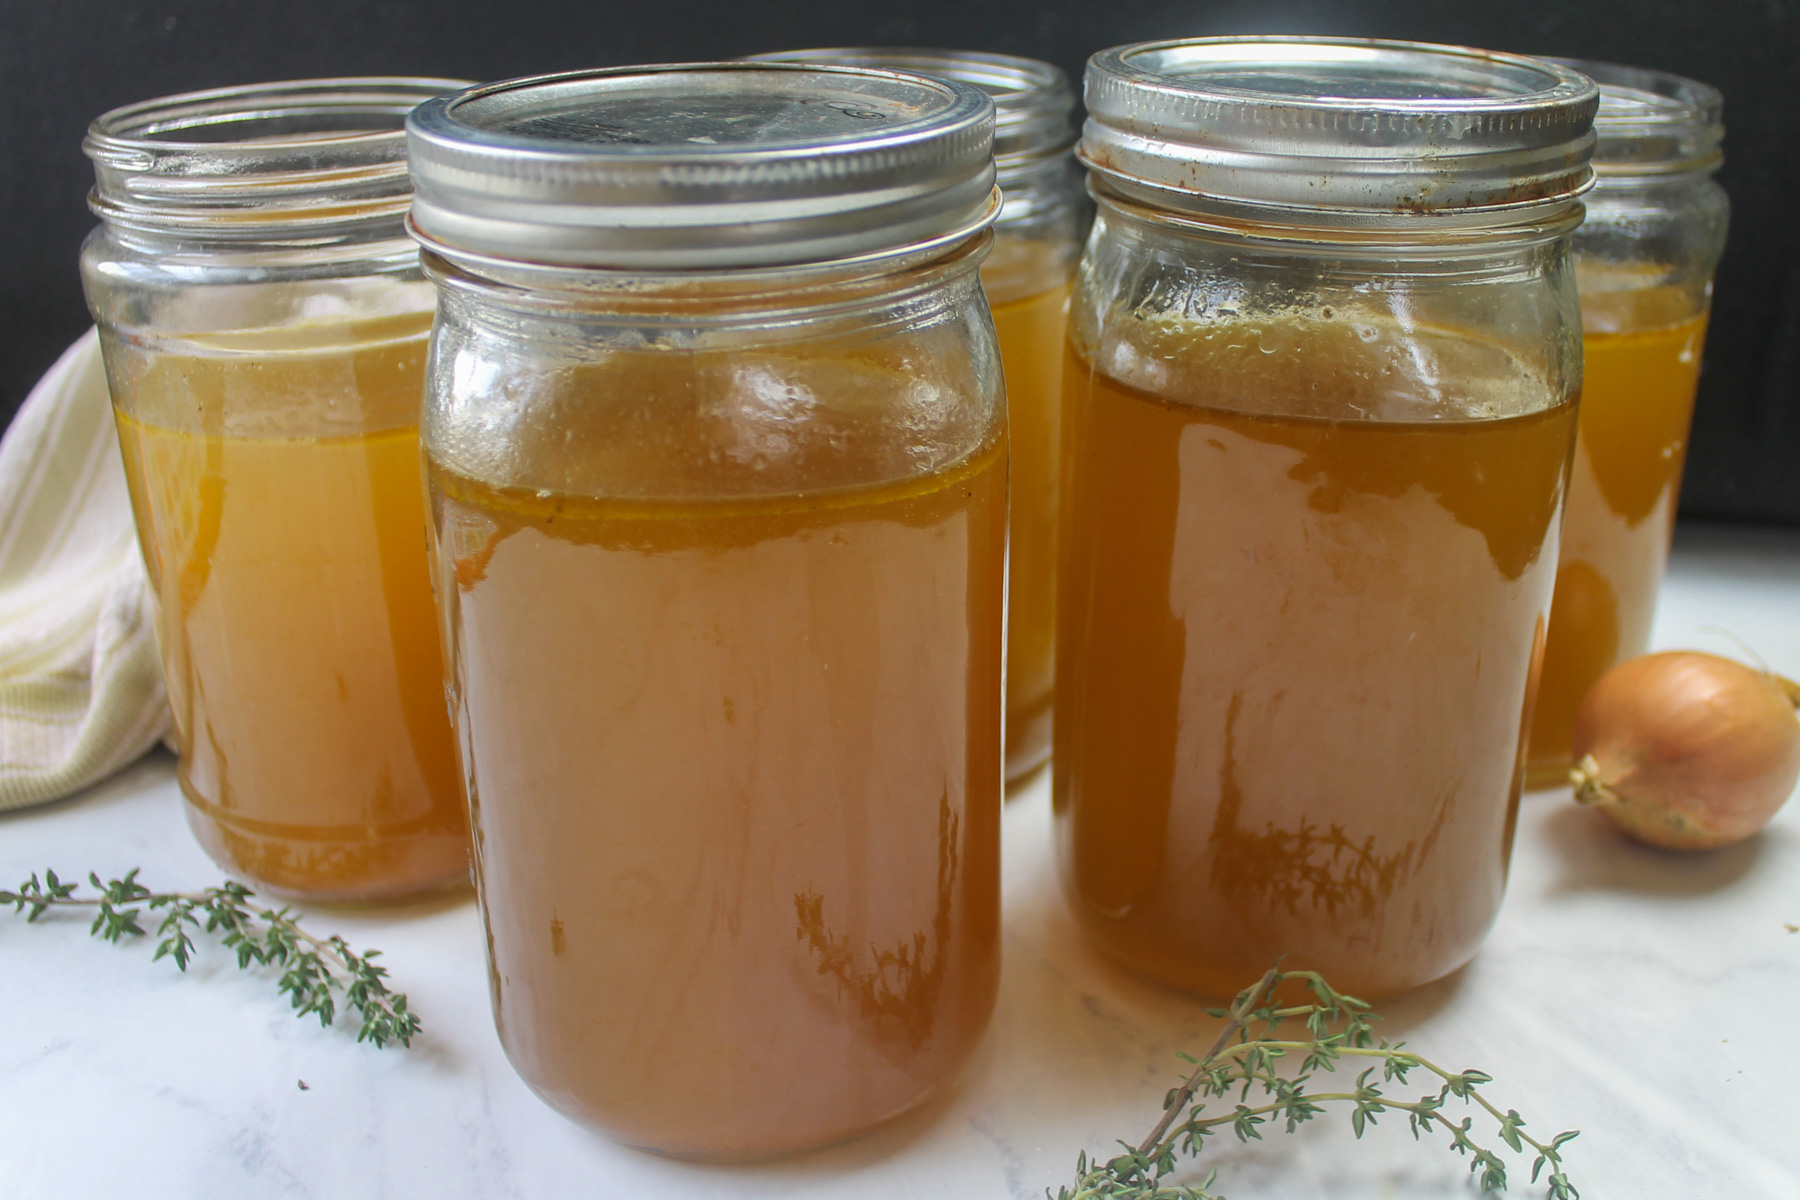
1687,751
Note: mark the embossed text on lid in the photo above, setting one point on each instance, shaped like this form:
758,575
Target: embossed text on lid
1033,98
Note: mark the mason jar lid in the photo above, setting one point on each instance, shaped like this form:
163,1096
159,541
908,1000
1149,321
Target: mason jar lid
1032,99
310,158
1653,123
1378,132
702,165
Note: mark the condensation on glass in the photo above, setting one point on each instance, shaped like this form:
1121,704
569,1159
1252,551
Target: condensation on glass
1320,401
715,442
1644,261
1026,277
264,324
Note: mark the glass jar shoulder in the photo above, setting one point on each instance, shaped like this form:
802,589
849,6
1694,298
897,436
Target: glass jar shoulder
1646,254
1027,264
1326,332
158,286
262,344
1651,207
698,405
1038,236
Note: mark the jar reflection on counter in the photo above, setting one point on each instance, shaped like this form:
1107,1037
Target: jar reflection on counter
1644,260
1036,241
1314,457
265,336
720,553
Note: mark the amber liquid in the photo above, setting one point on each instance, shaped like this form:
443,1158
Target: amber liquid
1637,402
734,766
298,634
1030,330
1296,640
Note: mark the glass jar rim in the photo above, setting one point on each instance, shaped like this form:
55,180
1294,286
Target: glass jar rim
1499,231
298,160
1653,122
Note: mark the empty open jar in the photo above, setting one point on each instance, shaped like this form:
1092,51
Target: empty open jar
1323,360
1644,262
1036,241
715,442
265,326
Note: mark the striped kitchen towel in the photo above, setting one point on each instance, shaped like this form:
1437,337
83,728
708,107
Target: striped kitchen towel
81,691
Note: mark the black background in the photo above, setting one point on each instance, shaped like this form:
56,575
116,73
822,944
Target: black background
62,63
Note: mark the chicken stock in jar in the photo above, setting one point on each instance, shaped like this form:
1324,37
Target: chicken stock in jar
1315,447
1644,261
1026,277
264,324
716,451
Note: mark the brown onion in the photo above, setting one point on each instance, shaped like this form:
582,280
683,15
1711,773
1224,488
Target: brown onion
1686,750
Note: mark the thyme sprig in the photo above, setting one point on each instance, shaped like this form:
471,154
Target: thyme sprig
316,973
1246,1056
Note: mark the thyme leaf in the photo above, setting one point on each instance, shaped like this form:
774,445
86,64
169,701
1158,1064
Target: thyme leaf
1245,1059
317,974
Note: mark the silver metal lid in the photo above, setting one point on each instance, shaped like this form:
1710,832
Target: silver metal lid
702,165
1032,99
1653,123
1374,131
287,160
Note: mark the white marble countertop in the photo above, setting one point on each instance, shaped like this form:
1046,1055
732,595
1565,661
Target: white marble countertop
1649,998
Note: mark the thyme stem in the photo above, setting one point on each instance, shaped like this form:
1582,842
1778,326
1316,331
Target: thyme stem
1178,1100
1246,1055
316,971
1414,1060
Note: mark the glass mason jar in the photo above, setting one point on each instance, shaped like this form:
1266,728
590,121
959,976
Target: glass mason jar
1320,402
1027,277
264,325
1644,261
715,442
